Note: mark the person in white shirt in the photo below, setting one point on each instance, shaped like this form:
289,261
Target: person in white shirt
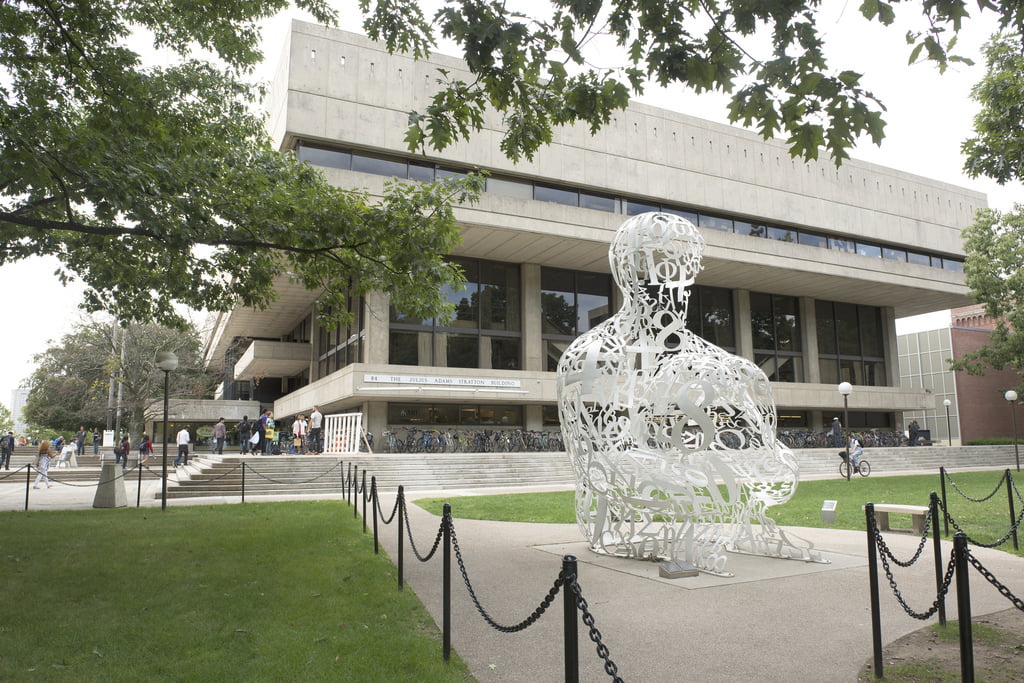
299,427
183,439
316,420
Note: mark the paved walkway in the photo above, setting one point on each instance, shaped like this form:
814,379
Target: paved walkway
776,620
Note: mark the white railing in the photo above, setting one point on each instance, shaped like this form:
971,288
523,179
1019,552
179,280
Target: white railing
342,433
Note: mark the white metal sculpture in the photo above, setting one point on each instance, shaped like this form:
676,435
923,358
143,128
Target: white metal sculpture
672,439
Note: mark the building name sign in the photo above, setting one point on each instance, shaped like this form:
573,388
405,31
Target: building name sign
443,381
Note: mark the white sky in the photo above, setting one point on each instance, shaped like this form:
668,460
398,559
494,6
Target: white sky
928,116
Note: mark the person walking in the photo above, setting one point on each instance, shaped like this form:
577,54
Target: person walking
836,433
97,439
145,450
220,434
244,434
81,436
913,431
299,427
42,464
183,439
121,452
6,448
316,421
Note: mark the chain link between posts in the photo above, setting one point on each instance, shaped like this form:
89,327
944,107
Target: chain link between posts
1004,539
1003,590
885,553
1002,480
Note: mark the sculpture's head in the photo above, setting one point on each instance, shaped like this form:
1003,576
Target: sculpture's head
656,252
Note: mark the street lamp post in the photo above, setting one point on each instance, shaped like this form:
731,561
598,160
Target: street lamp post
166,361
1011,398
949,432
845,388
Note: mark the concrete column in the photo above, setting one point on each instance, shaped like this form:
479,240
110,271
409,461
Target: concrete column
741,314
376,328
809,332
110,492
533,417
892,357
533,346
314,343
375,416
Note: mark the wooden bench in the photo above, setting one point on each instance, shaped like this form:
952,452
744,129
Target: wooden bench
917,513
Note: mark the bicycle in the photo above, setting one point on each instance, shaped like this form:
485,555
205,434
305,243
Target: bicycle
863,468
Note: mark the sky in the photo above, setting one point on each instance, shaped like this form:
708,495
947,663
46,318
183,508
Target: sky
928,116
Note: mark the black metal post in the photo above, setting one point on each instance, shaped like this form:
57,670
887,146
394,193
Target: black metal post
1013,514
401,537
963,605
28,482
846,436
1013,419
570,620
937,551
364,500
374,503
446,593
243,481
163,480
876,610
138,491
341,469
945,514
355,490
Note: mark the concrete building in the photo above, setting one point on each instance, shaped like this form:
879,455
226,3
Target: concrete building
977,408
806,268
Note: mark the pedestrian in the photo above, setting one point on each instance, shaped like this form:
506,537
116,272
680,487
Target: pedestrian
299,427
268,431
145,450
97,439
316,421
913,431
81,437
836,435
6,448
183,439
122,450
244,434
220,434
42,464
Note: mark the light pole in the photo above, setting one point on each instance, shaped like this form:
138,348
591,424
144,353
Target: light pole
845,388
1011,398
949,432
166,361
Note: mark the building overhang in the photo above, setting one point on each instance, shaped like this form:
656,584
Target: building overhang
273,359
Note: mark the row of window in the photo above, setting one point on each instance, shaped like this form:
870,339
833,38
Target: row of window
415,169
486,331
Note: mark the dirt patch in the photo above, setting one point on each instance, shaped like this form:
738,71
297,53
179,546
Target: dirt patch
933,653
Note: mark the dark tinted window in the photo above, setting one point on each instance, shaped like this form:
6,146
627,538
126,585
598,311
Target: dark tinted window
598,202
365,163
782,234
812,240
325,157
716,223
894,254
636,208
919,259
547,193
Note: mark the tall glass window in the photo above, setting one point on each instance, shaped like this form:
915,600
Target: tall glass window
851,344
571,302
343,345
710,316
484,332
778,346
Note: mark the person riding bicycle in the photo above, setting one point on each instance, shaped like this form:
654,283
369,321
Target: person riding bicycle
856,450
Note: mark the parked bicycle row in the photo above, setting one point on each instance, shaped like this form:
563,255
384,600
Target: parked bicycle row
868,438
470,441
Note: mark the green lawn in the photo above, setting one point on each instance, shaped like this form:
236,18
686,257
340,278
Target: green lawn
985,522
254,592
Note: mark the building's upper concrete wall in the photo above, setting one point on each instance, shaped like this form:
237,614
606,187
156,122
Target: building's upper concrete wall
344,87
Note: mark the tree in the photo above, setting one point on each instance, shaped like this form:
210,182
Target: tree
6,419
158,185
997,151
995,251
70,386
535,70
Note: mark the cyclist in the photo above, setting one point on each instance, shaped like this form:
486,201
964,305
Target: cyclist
856,450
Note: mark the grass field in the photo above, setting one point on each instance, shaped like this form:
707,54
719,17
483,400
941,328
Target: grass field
255,592
986,522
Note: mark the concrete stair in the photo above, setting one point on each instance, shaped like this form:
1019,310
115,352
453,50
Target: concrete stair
296,474
824,462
